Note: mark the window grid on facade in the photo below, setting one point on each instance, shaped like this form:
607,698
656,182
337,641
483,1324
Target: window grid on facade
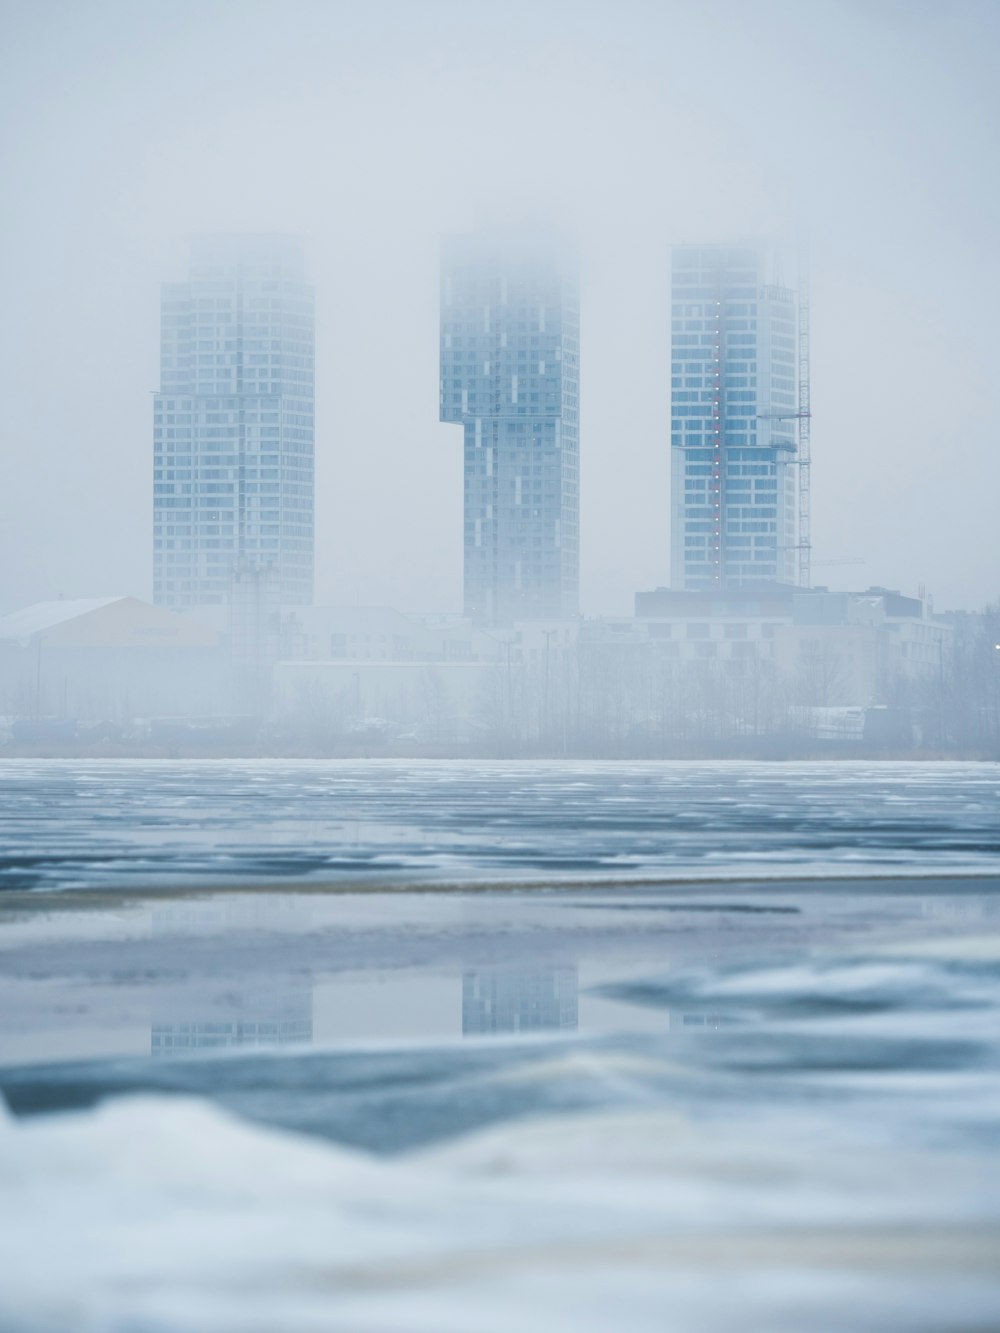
733,405
510,378
233,423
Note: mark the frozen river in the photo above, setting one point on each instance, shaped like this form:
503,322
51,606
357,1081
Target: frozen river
122,823
710,1046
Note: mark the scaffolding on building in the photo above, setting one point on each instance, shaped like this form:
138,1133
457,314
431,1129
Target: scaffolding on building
802,416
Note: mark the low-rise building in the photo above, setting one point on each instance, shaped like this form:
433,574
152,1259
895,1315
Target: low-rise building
834,648
108,659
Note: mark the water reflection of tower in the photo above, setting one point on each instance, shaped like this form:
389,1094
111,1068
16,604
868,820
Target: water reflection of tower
273,1017
533,999
273,1011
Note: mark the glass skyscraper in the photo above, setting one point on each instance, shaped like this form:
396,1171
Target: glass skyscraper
233,425
510,376
733,419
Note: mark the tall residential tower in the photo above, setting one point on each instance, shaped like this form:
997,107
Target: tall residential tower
734,411
510,357
233,425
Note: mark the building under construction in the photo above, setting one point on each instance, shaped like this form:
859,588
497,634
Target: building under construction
739,419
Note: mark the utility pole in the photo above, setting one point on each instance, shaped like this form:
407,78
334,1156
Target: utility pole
38,675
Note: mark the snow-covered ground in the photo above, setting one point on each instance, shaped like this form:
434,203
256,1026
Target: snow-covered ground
732,1103
159,1214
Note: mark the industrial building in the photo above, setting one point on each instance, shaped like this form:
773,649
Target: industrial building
108,659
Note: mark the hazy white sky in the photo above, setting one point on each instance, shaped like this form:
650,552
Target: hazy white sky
372,129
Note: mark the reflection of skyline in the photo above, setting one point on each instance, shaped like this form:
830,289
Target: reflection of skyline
536,999
270,913
275,1013
688,1018
273,1017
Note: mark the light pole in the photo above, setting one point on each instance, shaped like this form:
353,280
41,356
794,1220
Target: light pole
545,698
39,640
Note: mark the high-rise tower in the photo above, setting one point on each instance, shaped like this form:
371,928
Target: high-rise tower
734,407
510,358
233,425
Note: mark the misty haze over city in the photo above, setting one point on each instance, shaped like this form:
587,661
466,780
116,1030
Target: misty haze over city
372,131
499,666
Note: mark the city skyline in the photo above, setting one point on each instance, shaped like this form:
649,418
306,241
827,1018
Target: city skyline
747,402
233,432
348,143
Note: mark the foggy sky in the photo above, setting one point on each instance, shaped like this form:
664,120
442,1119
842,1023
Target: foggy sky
372,129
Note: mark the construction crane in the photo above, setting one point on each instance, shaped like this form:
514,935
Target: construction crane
803,415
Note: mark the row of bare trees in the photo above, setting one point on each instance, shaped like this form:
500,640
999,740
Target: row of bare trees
620,699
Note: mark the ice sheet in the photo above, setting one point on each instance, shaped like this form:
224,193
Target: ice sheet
71,824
